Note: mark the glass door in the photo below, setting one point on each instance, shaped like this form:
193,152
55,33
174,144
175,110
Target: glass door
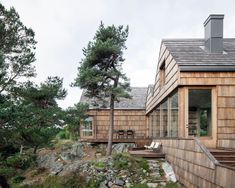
199,112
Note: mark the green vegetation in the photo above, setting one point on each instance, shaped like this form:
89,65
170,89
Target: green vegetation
161,171
125,161
20,161
7,171
172,185
63,134
100,165
74,117
29,113
140,186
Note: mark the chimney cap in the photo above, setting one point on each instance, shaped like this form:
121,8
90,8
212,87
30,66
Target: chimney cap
213,16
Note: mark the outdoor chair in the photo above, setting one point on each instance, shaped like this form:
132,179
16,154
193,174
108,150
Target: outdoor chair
130,133
121,133
150,146
157,147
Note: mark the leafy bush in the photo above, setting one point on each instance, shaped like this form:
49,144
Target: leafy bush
121,161
63,134
125,161
100,165
18,179
7,171
20,161
172,185
72,180
143,163
37,171
8,150
52,182
140,186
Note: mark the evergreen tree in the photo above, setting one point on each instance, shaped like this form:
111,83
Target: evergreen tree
35,115
74,117
17,47
100,72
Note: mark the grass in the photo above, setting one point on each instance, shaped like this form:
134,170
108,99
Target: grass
173,185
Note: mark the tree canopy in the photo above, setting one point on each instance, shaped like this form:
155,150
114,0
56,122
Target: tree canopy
100,72
32,117
17,46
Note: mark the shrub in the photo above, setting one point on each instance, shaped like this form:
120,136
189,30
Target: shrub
63,134
125,161
18,179
22,161
37,171
121,161
140,186
8,150
7,171
100,165
143,163
52,182
172,185
72,180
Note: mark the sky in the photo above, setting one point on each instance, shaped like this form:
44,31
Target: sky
64,27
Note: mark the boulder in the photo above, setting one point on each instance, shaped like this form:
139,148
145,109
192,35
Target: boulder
122,147
170,175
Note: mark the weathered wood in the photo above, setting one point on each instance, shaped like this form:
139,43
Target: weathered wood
123,120
194,165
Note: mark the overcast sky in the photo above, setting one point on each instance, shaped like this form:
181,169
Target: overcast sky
64,27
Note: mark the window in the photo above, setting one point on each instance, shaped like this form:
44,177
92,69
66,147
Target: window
164,119
173,116
87,130
199,109
162,74
156,123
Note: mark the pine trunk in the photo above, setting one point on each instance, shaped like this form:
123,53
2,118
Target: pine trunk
21,149
111,125
35,149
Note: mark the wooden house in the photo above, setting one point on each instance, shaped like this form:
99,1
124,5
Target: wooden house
129,119
190,108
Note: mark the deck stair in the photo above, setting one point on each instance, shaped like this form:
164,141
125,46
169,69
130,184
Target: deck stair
224,156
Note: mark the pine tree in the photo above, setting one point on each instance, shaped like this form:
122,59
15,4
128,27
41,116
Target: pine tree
100,72
17,47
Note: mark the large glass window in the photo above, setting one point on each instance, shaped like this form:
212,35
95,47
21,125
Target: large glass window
173,117
156,123
199,109
164,119
87,127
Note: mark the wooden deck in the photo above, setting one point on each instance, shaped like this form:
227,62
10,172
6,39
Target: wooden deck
146,154
138,141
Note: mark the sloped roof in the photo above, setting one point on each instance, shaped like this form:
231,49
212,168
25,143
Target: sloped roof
190,55
138,100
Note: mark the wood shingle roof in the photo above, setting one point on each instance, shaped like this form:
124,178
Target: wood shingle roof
190,55
137,101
